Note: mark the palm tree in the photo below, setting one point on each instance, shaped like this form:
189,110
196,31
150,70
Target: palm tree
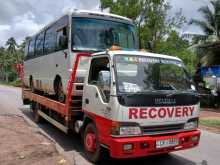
211,23
11,48
5,63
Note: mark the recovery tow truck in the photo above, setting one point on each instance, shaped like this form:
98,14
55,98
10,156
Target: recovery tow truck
134,104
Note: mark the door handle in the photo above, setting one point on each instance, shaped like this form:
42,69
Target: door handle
87,101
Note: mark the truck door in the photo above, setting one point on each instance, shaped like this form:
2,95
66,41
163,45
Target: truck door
96,94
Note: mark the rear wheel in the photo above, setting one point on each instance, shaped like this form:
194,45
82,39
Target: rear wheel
92,147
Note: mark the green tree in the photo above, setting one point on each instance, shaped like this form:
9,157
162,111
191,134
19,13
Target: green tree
12,49
11,55
5,64
210,23
178,46
150,16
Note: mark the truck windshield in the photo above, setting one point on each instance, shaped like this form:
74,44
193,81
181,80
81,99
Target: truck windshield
96,34
137,74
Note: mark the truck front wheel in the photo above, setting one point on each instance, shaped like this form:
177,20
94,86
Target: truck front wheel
93,149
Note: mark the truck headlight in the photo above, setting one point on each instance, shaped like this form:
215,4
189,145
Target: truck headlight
129,130
191,124
123,129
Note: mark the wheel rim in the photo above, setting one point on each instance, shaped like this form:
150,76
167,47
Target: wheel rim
90,142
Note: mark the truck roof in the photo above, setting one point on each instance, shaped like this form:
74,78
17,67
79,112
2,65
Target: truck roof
138,53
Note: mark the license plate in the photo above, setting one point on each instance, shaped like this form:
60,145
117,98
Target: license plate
167,143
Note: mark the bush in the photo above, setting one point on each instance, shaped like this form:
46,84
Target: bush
16,83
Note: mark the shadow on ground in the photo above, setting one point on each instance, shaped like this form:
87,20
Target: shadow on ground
73,143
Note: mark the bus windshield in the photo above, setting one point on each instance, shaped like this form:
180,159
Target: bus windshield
136,74
91,34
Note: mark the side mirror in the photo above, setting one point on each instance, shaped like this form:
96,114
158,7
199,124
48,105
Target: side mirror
104,78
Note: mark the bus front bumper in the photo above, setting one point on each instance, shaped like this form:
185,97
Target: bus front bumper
133,147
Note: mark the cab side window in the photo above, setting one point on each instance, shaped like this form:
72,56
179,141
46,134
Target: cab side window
100,76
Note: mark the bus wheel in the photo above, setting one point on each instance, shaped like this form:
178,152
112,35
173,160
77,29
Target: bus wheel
92,146
37,117
59,92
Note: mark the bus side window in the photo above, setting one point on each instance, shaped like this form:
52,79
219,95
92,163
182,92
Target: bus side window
56,36
39,44
26,50
31,48
62,39
50,40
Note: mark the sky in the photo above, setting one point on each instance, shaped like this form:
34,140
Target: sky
21,18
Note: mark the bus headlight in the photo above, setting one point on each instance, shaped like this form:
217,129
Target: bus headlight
191,124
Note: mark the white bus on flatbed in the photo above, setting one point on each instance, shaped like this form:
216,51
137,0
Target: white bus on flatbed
50,54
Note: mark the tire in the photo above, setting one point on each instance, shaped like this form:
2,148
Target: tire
26,101
93,150
58,88
36,117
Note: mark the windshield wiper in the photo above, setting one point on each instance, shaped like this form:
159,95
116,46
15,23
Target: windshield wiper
178,92
142,92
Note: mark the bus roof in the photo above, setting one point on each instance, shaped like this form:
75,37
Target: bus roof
89,14
98,14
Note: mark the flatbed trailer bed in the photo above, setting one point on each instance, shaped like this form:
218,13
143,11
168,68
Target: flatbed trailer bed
46,107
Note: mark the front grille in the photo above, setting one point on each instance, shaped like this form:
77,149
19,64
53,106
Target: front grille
162,129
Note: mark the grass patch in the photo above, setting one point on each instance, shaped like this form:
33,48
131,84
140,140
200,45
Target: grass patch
3,83
16,83
210,122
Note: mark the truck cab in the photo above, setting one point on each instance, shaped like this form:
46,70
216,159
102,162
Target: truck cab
138,103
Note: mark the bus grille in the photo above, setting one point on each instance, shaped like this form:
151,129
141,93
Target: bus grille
162,129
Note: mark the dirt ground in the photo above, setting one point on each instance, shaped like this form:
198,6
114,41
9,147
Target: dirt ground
210,114
20,144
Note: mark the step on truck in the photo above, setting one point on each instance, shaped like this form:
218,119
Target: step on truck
123,102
